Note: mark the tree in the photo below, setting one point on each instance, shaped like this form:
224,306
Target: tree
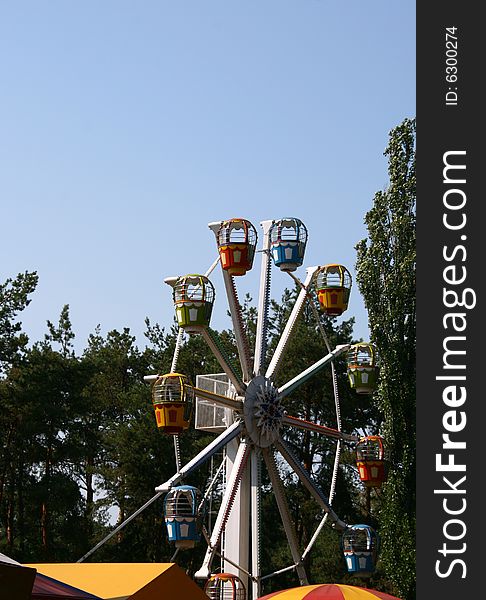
40,403
14,297
385,273
114,375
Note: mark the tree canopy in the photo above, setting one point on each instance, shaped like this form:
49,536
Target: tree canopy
386,278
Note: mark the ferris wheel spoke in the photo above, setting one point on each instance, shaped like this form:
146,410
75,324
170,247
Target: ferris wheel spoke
173,369
177,349
263,302
322,429
283,509
225,508
177,452
294,383
223,438
333,368
224,401
120,527
217,350
338,423
276,361
304,477
331,498
213,481
241,338
212,267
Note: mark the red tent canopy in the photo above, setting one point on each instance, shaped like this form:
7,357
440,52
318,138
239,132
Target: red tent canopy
24,583
46,588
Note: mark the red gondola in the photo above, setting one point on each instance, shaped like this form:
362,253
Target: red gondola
237,239
371,460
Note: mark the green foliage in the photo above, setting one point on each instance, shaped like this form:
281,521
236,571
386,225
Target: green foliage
14,297
386,278
63,333
39,407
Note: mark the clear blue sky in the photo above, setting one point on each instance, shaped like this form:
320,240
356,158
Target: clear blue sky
126,127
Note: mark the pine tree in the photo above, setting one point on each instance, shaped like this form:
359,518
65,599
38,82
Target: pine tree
14,298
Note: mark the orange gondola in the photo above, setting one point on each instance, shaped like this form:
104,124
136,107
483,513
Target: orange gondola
225,586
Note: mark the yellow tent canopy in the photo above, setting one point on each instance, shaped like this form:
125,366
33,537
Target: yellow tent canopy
126,581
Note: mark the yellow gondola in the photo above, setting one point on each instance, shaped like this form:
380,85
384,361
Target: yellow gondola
333,285
173,402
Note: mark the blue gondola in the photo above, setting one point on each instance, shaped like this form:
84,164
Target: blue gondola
360,546
288,238
182,516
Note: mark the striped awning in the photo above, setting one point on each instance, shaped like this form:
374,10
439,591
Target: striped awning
47,588
18,582
328,591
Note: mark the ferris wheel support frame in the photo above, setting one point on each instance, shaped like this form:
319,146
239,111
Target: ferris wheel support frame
235,547
229,495
255,503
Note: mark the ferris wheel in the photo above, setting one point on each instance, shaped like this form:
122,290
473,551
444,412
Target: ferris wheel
246,409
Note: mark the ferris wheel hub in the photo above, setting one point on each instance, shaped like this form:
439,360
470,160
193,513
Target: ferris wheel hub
263,411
